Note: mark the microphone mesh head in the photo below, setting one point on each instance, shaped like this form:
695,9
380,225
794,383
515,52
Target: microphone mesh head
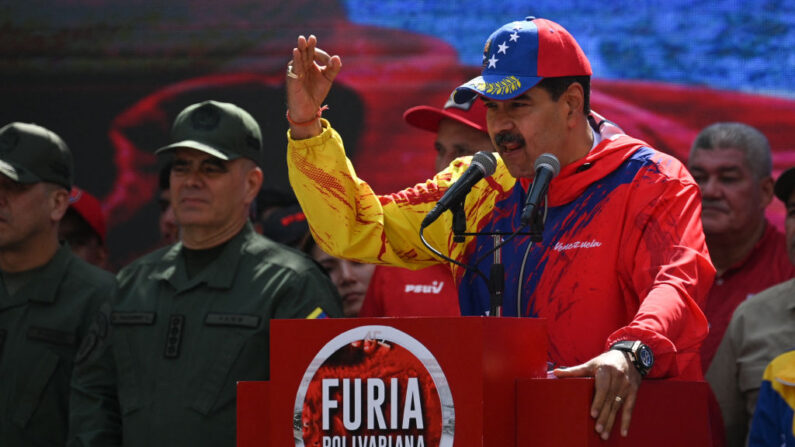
550,161
485,161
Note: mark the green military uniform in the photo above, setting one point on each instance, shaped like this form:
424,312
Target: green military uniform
178,345
42,325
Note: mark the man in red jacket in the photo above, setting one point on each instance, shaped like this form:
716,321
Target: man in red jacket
622,266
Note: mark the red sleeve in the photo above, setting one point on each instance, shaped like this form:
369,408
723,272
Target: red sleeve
666,263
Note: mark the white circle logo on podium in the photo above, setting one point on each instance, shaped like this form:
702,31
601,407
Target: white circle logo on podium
374,386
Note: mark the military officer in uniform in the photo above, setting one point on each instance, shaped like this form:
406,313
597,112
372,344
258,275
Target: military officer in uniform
48,296
193,318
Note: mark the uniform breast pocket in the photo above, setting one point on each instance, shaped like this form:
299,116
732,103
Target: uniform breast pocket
33,394
128,328
236,348
43,386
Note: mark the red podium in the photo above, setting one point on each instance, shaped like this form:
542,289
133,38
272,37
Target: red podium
555,412
463,381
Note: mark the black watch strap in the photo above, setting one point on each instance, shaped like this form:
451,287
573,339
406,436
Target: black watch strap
639,354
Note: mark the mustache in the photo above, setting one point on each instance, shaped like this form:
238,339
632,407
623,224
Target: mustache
718,204
507,137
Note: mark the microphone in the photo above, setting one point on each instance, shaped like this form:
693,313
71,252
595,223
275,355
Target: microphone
483,165
547,167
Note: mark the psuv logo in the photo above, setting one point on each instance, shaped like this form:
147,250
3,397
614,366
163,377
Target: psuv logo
433,288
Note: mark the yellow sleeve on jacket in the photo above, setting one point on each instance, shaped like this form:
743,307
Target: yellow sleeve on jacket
348,220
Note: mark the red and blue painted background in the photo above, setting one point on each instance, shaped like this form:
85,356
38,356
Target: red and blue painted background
110,76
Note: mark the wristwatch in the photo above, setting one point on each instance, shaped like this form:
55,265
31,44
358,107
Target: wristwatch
639,354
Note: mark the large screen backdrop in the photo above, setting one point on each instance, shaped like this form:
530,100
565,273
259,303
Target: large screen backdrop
110,76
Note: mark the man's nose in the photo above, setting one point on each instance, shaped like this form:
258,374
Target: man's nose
498,121
710,188
193,177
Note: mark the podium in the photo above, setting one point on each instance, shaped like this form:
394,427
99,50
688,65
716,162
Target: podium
463,381
555,412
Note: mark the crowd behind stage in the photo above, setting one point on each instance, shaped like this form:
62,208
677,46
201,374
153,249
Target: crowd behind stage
115,349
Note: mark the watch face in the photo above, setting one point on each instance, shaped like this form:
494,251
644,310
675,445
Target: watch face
645,356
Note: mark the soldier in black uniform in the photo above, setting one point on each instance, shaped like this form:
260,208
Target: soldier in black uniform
193,318
48,296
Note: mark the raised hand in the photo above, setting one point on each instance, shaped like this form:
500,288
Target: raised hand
310,75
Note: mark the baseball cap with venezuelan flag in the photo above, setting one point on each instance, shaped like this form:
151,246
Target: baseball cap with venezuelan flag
518,55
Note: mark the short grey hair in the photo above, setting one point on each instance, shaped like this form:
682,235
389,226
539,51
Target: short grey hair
742,137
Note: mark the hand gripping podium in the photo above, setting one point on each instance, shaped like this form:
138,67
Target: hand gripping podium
463,381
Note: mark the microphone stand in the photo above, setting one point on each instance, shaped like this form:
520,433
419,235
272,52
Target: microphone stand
536,227
459,222
496,279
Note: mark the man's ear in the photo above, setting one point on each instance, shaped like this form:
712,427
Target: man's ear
766,185
59,202
253,184
574,97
